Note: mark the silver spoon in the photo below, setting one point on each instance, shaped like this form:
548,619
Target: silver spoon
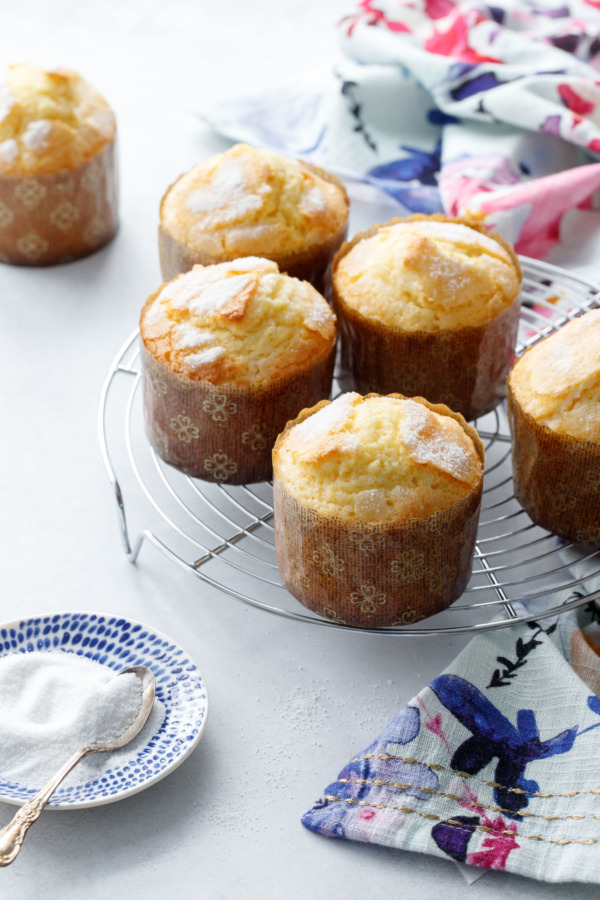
13,835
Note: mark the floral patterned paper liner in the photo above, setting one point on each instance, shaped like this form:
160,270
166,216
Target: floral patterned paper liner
224,433
465,369
309,265
556,477
376,574
59,217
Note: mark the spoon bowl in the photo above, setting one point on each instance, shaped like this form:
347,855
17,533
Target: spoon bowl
148,694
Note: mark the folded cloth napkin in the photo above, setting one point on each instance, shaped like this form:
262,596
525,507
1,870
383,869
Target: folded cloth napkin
495,764
461,107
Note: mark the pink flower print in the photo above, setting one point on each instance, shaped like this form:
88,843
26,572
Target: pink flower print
497,846
373,16
574,101
367,814
434,724
550,198
469,800
463,179
377,16
595,145
455,41
438,9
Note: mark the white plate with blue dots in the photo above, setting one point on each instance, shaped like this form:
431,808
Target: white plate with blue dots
118,643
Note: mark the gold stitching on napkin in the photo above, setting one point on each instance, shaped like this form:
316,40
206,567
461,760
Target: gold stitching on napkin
474,803
437,768
406,809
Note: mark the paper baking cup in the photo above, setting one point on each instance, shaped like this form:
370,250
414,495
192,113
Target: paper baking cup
465,369
57,218
224,433
310,265
376,574
556,477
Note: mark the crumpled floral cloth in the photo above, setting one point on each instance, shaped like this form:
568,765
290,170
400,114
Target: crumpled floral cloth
495,764
456,107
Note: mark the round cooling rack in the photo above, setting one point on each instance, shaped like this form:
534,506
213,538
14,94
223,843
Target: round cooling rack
224,534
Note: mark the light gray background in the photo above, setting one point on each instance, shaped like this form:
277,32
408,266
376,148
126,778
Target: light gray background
290,703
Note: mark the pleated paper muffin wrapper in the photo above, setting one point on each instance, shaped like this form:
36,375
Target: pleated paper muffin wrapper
59,217
373,575
224,433
312,264
556,477
465,369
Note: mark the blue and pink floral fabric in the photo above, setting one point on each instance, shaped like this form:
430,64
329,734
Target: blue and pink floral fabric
495,764
462,107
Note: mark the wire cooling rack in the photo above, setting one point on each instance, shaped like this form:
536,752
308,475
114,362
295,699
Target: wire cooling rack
224,534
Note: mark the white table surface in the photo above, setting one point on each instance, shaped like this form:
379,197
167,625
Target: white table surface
290,704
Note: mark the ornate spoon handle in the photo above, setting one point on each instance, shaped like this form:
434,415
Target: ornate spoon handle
13,835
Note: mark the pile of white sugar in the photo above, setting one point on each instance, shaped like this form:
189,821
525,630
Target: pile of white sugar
52,704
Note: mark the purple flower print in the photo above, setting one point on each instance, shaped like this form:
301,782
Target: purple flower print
352,814
494,736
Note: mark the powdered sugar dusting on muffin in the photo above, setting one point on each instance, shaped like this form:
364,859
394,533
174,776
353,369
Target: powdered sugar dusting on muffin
227,197
320,316
180,292
9,150
199,360
371,505
36,134
312,201
190,336
215,296
379,505
453,233
444,446
204,290
445,277
326,421
565,364
567,359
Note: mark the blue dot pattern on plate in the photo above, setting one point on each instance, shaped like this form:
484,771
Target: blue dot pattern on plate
119,643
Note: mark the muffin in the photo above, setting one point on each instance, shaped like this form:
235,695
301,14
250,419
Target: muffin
554,415
376,505
58,175
429,306
229,353
249,202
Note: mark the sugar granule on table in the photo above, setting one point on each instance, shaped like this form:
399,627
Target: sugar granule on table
52,704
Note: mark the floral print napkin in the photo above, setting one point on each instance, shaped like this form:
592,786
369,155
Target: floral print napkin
458,107
495,764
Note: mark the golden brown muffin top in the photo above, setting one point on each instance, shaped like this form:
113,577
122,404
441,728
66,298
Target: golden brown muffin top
428,273
50,121
247,202
377,459
557,381
240,321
